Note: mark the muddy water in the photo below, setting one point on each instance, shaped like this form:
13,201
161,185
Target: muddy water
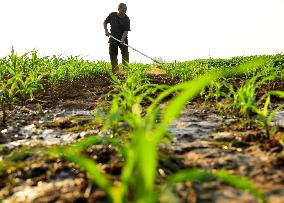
201,139
278,119
49,129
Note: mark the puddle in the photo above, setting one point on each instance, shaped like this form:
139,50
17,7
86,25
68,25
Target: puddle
41,132
278,119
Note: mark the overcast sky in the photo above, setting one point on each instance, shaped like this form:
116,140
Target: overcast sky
174,30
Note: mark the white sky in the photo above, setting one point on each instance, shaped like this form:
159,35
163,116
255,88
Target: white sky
174,30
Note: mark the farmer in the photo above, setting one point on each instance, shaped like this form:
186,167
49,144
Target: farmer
120,25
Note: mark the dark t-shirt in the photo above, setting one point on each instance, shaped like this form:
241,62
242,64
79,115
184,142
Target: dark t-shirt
118,25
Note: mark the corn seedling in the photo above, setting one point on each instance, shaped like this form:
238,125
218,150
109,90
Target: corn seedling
245,98
265,117
146,126
28,85
2,100
133,92
141,151
217,90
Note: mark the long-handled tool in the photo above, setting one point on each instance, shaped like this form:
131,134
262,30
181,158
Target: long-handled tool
135,49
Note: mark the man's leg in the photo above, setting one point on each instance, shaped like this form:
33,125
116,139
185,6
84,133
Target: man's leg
113,51
124,54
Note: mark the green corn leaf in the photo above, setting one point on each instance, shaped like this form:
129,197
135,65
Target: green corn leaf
85,143
191,175
265,107
278,93
241,183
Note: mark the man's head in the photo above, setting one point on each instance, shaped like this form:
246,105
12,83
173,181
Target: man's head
122,8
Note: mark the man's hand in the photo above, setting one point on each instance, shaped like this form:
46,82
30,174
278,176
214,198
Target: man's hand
107,33
124,36
106,29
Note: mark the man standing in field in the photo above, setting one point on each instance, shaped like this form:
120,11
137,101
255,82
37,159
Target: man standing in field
120,25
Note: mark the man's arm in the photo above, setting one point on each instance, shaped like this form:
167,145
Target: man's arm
106,30
124,35
126,29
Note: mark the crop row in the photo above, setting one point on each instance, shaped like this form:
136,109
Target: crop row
136,103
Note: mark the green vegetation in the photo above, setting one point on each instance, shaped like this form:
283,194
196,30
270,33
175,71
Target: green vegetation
22,76
136,114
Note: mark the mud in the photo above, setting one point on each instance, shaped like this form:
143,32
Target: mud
202,138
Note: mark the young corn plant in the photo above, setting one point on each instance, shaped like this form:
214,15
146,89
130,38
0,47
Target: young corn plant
28,85
2,97
135,90
9,90
217,90
8,95
141,150
245,98
265,117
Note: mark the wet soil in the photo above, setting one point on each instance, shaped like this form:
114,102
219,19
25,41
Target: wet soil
203,137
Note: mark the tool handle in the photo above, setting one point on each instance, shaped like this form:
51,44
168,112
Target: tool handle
134,49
